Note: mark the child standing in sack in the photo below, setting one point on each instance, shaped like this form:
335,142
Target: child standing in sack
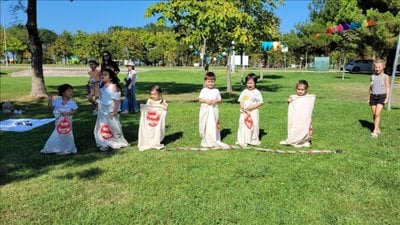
61,140
108,131
152,121
300,109
250,100
209,127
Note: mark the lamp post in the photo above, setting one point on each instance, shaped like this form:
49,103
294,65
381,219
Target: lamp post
190,54
233,54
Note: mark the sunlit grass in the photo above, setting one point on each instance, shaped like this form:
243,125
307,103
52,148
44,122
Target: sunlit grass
360,186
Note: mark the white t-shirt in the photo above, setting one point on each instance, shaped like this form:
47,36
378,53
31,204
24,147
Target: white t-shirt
59,107
207,93
132,75
248,97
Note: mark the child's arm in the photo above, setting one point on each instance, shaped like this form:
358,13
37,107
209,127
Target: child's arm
254,106
68,113
116,106
50,102
289,100
370,87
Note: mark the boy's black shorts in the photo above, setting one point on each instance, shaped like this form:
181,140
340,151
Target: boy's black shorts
377,99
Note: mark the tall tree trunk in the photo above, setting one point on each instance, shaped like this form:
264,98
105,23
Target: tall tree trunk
38,88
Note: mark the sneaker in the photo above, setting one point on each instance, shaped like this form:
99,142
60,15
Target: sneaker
94,112
305,145
102,148
124,112
283,143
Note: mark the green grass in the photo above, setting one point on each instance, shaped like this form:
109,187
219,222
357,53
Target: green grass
360,186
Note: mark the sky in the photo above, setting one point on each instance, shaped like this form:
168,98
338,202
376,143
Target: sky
94,16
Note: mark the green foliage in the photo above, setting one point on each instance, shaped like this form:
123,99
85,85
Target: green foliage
360,186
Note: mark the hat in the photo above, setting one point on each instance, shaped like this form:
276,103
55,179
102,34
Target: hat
129,63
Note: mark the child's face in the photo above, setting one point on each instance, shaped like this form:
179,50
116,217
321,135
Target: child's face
379,67
250,84
210,83
129,68
105,76
155,95
92,66
301,89
68,93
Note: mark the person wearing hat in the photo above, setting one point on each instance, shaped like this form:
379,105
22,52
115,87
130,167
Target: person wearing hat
130,104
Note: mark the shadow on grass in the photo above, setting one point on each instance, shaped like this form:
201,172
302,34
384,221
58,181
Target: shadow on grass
169,87
225,132
88,174
172,138
262,134
272,76
345,77
20,158
367,124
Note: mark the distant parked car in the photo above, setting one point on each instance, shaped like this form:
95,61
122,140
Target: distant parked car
388,70
360,65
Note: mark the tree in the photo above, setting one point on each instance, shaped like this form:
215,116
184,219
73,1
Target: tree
38,88
198,22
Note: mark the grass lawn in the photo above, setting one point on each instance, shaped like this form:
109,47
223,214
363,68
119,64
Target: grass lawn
360,186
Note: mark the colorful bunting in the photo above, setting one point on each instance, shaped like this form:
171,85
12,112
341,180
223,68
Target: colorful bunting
344,27
274,45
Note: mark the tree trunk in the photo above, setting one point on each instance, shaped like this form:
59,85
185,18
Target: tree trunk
38,88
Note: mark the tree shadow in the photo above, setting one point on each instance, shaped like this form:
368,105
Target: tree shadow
262,134
19,153
367,124
172,138
225,132
169,87
269,88
88,174
272,76
340,77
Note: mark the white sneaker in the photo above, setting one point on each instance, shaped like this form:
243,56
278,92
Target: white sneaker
283,143
305,145
124,112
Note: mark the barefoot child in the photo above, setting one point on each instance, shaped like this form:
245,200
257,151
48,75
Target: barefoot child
300,110
108,131
94,83
378,94
209,115
250,100
152,121
61,140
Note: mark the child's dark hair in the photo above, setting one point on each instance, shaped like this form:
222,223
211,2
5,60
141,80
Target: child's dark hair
114,78
210,76
302,82
251,76
156,88
62,88
93,61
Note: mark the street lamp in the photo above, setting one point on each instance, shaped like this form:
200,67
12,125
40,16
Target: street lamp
233,55
191,54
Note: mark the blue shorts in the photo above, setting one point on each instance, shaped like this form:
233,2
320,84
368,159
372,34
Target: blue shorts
377,99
